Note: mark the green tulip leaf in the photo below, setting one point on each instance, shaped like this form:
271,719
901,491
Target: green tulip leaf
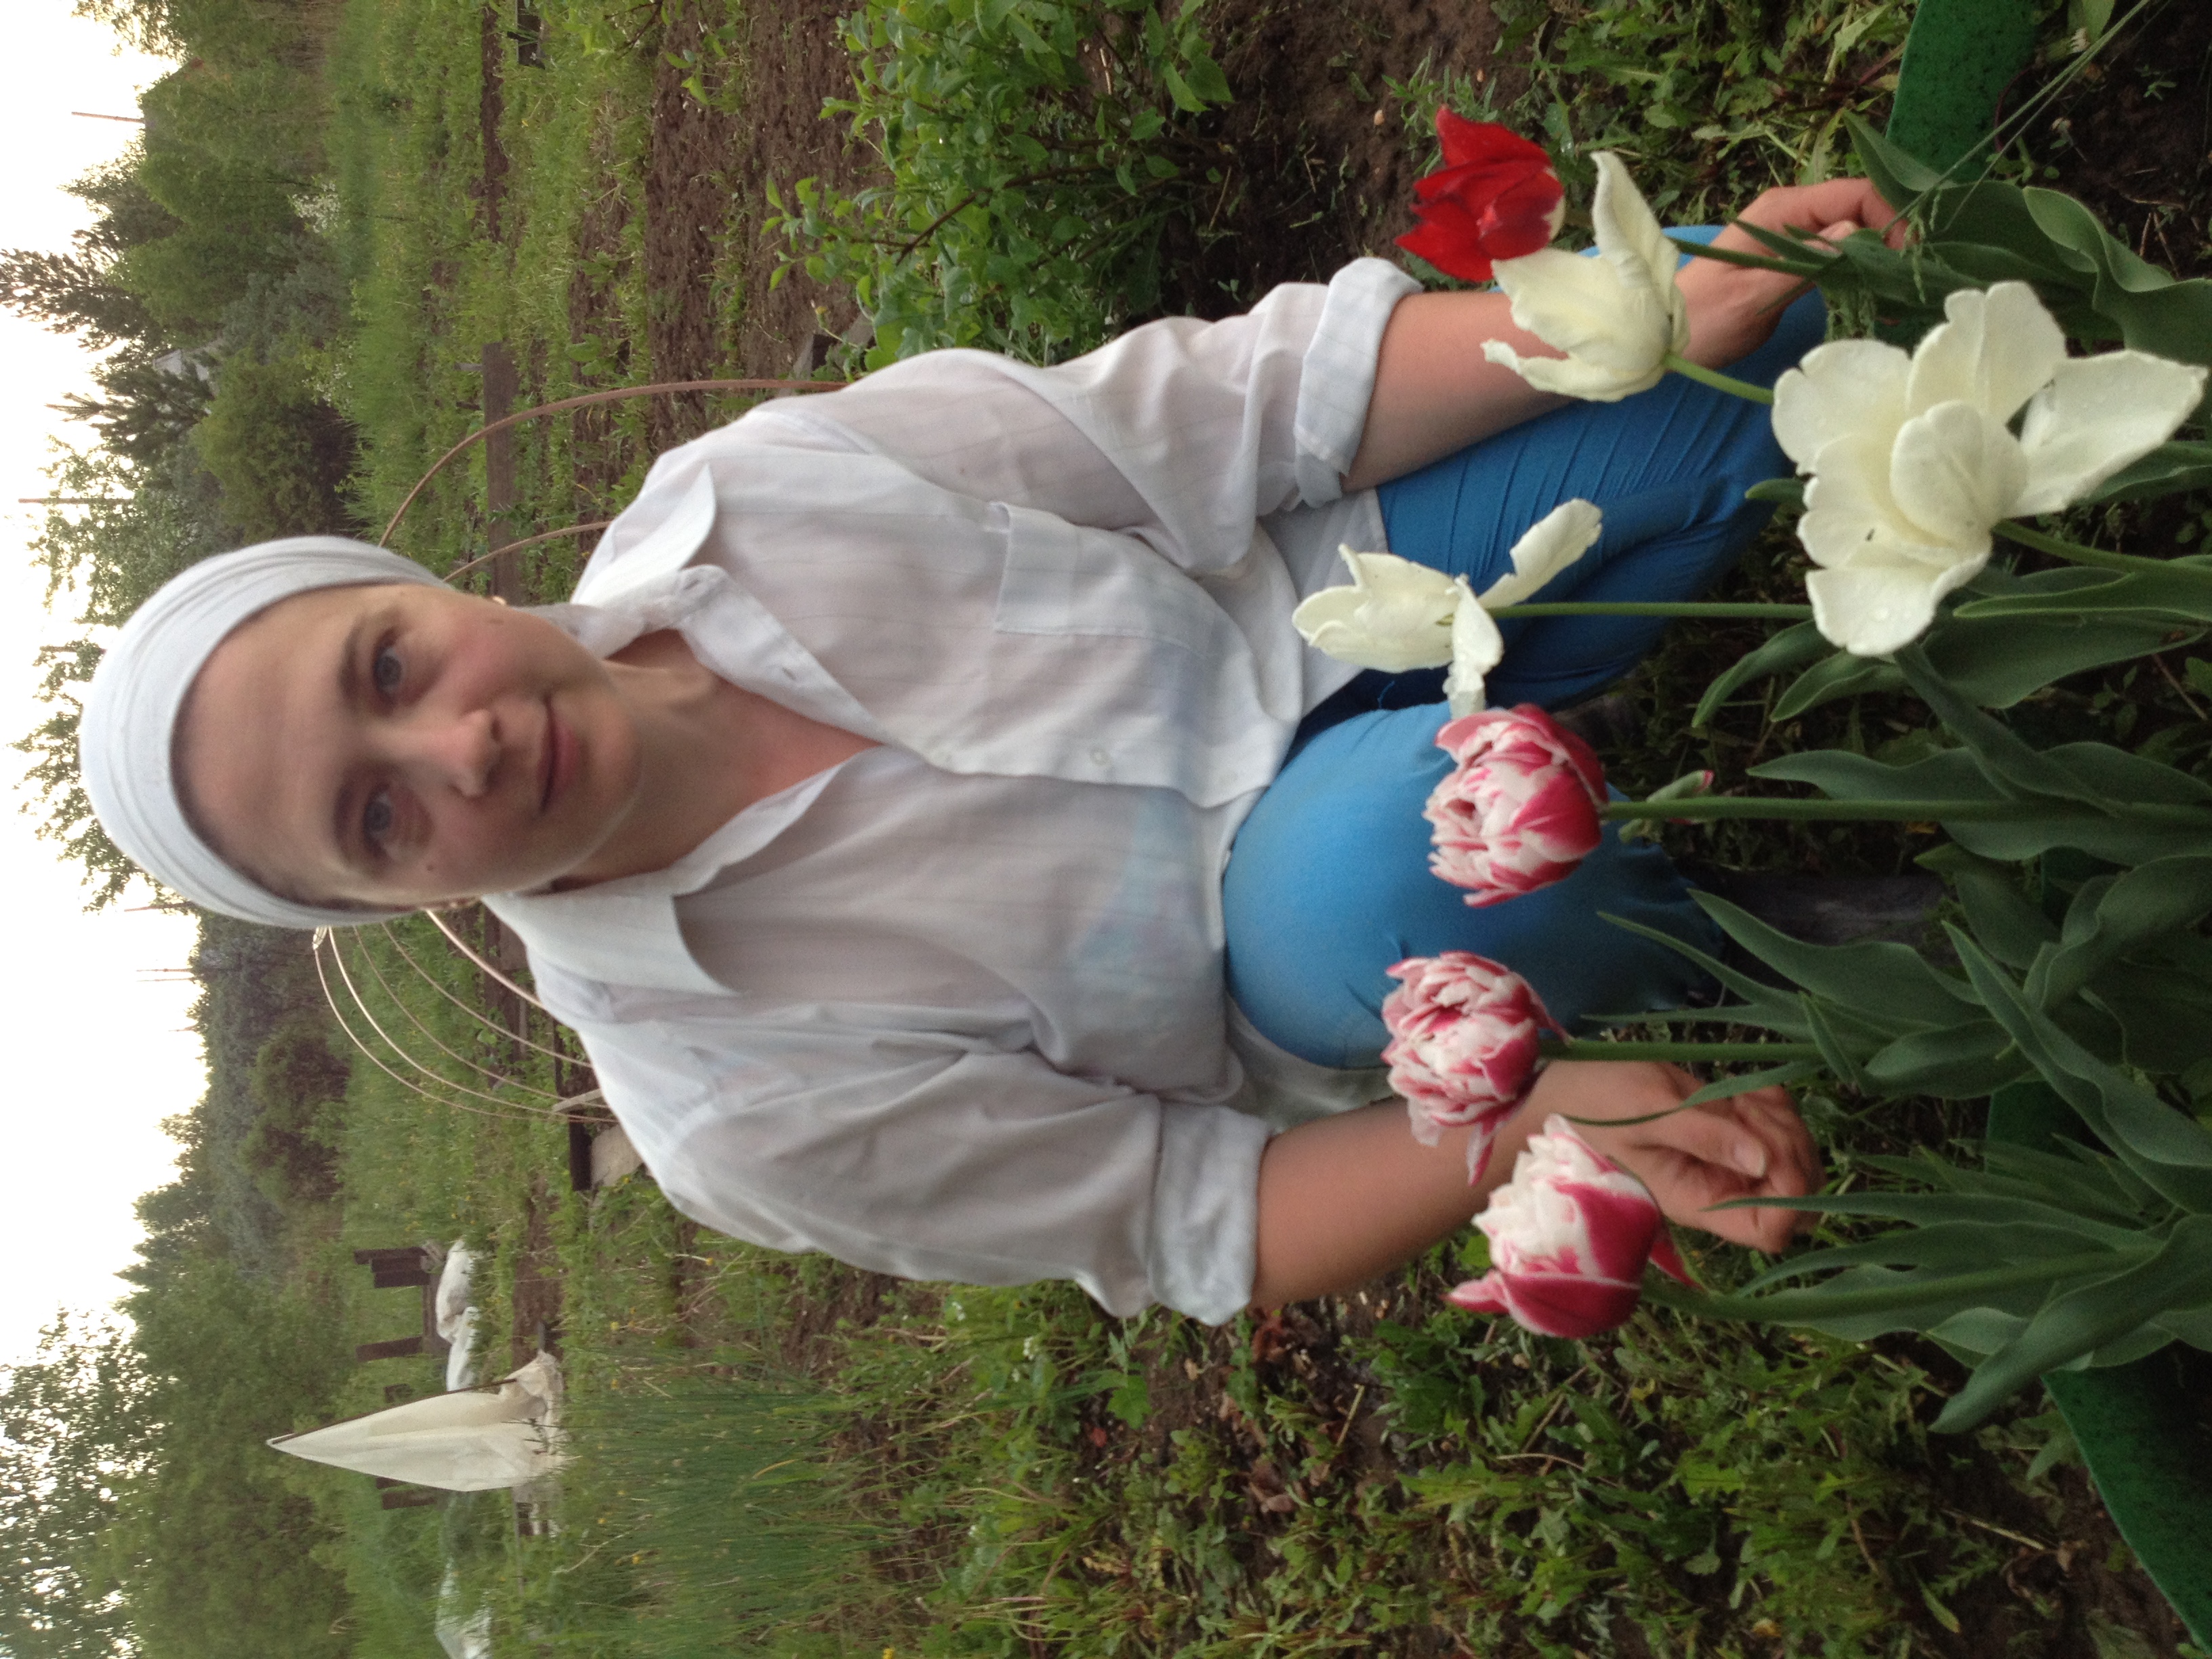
1724,1088
2180,597
1792,647
1955,1063
2009,928
1893,986
1841,675
2010,763
1901,177
2168,1151
2079,1320
2092,1184
2114,914
2168,469
1763,1006
1969,1243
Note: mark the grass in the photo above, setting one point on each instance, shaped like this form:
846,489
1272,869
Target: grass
776,1455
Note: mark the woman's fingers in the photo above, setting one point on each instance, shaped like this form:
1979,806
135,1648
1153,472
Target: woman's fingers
1833,210
1751,1147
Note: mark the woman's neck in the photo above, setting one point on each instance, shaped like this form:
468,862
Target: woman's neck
706,750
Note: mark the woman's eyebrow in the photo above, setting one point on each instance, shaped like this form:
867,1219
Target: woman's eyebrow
349,690
349,663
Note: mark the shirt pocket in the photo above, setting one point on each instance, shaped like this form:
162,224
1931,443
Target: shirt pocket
1065,578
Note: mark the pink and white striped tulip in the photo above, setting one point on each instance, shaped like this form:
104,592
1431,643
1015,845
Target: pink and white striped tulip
1519,810
1463,1032
1570,1236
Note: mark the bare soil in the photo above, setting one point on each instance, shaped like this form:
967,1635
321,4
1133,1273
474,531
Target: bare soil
2132,137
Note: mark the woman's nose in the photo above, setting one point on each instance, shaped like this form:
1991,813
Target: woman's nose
459,752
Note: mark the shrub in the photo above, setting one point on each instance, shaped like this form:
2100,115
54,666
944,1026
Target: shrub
1037,148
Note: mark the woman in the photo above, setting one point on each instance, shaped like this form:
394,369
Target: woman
867,812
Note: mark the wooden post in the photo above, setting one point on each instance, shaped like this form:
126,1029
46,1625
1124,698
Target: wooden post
400,1347
501,380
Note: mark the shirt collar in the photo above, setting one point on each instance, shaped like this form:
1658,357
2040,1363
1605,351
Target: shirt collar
626,931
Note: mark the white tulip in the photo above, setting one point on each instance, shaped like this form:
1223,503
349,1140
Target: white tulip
1913,459
1398,616
1617,317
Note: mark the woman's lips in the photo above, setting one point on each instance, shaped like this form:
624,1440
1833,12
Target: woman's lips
560,760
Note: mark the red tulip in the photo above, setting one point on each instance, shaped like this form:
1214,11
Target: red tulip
1495,197
1570,1236
1519,811
1462,1046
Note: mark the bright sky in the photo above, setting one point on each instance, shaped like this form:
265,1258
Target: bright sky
96,1055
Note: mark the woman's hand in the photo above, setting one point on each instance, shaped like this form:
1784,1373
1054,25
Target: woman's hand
1750,1145
1732,308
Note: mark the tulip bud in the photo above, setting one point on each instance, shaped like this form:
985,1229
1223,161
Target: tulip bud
1519,810
1570,1236
1462,1048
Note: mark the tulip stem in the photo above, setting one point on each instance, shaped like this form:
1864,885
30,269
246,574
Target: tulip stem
1903,812
1656,607
1715,379
1684,1053
2075,553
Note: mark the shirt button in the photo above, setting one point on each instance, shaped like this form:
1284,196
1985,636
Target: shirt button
1100,757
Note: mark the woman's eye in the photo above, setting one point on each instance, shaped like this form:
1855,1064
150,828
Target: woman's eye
376,818
385,670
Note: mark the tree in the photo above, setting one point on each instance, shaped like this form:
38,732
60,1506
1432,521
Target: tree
295,1082
146,523
214,1547
74,1432
70,294
149,406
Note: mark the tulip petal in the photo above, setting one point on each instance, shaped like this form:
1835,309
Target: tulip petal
1568,1304
1477,647
1843,389
1546,548
1396,615
1613,333
1955,472
1467,142
1993,350
1877,605
2096,415
1570,376
1631,239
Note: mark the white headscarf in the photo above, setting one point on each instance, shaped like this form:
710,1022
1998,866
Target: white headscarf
126,739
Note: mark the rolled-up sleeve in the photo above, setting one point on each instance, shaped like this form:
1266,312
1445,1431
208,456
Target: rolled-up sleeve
935,1159
1184,431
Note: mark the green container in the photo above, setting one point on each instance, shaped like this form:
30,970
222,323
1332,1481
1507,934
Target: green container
2142,1437
1959,57
2146,1446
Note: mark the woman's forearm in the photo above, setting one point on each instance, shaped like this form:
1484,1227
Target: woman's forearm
1435,392
1343,1199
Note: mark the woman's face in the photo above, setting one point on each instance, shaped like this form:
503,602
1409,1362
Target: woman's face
405,745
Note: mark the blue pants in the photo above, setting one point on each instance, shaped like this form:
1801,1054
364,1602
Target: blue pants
1329,884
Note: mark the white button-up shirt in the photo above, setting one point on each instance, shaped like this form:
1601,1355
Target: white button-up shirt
955,1008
